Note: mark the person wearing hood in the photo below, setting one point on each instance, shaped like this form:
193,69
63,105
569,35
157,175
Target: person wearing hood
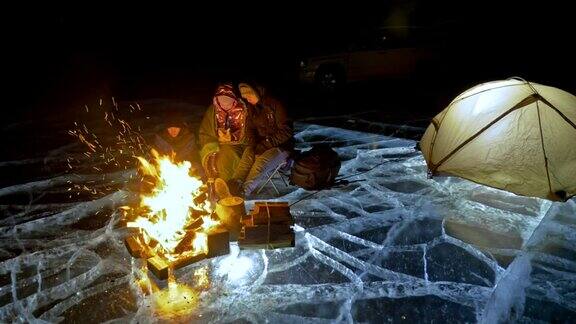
274,141
175,138
226,138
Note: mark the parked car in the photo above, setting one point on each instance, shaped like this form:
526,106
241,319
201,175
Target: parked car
383,54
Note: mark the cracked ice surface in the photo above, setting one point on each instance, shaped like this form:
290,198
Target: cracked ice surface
389,245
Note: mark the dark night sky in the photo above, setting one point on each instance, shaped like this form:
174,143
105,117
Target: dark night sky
64,55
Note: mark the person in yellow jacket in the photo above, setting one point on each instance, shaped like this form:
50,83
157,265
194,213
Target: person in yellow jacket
226,138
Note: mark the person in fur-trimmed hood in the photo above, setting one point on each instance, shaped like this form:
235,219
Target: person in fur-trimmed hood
274,141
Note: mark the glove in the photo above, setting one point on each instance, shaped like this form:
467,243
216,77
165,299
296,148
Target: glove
236,187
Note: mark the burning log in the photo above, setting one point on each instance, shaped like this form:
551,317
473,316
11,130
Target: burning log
269,226
218,240
187,260
195,214
134,247
173,220
195,224
175,224
159,266
137,247
200,198
185,244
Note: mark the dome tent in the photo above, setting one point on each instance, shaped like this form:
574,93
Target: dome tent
512,134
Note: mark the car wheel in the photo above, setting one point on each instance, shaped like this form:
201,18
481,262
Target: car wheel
330,78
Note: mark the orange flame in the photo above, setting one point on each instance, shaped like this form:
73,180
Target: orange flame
169,207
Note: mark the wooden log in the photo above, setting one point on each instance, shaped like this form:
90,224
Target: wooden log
267,237
186,243
218,242
264,232
269,226
280,208
200,198
195,213
158,266
247,220
271,212
195,224
129,215
187,260
267,246
273,220
134,246
230,211
152,243
286,237
278,242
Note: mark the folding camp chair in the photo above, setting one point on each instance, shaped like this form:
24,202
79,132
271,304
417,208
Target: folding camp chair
278,172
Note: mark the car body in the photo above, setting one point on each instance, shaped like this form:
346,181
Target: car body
377,55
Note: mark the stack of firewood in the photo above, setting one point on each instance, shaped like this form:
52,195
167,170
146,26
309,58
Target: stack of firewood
217,240
269,226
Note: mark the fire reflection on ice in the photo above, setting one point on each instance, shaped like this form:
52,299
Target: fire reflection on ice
177,300
235,268
180,298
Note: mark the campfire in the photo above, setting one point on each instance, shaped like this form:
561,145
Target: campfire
174,224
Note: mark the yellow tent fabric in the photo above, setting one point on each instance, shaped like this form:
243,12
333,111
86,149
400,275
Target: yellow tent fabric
514,135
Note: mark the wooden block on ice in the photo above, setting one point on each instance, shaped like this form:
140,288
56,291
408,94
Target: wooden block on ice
271,204
271,212
247,220
261,231
218,242
159,267
280,242
268,227
184,261
262,242
285,237
134,246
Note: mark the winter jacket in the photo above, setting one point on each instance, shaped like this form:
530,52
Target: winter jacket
273,126
182,145
211,136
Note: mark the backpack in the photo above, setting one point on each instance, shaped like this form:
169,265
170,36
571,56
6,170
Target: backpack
316,168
